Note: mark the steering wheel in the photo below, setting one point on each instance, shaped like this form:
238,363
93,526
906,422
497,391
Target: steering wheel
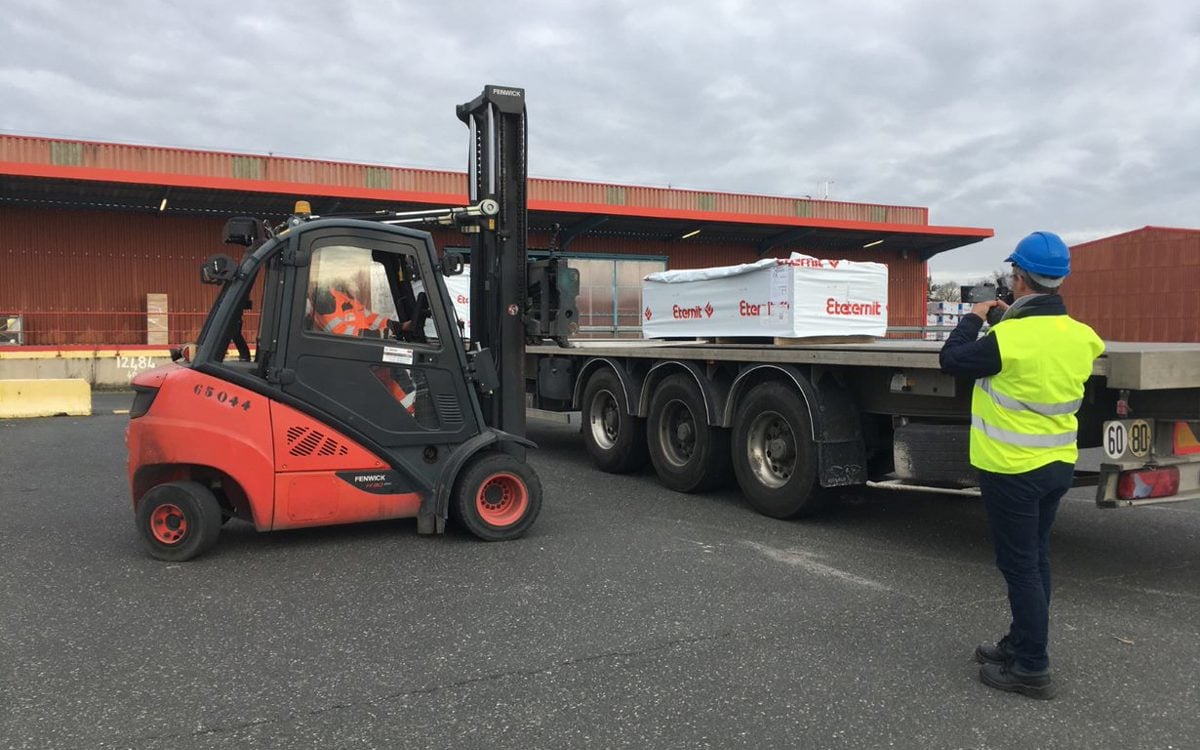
413,329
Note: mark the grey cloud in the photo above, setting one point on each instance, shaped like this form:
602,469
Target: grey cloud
1074,116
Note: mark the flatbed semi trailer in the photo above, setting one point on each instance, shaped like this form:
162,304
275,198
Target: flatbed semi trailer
794,422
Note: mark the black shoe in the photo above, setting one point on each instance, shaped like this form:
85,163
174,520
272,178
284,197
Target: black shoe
994,653
1013,679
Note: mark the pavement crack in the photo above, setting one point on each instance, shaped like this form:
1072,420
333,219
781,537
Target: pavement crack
1123,581
632,653
433,689
1120,577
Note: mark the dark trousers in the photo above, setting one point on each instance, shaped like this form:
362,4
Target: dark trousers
235,335
1021,510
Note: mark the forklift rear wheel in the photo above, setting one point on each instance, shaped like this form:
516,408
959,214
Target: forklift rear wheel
615,439
178,520
497,497
688,453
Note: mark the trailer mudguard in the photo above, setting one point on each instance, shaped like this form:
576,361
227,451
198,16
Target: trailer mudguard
631,386
715,392
836,424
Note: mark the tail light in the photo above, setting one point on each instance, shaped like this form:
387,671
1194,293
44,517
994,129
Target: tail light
1144,483
143,397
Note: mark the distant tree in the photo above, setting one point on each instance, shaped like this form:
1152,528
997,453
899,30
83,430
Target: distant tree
946,292
1002,278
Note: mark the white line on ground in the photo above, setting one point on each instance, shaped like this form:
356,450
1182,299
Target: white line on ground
806,561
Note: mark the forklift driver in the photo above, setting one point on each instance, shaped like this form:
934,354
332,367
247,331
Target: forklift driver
337,310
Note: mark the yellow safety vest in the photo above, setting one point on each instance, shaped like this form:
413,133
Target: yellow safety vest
1023,417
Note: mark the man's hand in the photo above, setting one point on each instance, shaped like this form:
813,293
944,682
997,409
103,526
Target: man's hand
981,308
400,329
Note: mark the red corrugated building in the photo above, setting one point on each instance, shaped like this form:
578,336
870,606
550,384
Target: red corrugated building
1142,285
87,230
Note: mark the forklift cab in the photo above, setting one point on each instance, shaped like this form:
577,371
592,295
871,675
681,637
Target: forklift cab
361,402
342,326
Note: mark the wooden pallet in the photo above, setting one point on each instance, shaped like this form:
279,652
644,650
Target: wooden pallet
809,340
787,341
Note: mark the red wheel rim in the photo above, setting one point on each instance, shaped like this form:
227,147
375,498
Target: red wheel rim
502,499
168,524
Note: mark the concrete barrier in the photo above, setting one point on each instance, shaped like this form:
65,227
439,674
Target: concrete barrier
100,367
45,398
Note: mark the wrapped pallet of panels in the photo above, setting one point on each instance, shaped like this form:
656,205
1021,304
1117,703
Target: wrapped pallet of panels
785,298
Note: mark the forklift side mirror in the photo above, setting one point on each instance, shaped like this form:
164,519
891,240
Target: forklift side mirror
186,352
243,230
217,269
452,264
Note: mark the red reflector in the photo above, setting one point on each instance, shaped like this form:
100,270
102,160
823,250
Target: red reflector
1136,485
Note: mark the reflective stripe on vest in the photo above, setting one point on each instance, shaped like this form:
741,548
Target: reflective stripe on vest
351,321
1023,417
409,402
1046,410
1020,438
331,324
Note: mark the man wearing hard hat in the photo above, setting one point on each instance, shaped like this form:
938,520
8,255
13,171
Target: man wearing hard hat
1030,371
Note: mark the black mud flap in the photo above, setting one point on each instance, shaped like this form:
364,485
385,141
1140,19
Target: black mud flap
935,454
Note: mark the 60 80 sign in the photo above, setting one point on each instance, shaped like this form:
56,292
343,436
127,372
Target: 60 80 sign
1127,437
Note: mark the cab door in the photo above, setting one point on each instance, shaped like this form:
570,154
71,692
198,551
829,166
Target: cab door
361,356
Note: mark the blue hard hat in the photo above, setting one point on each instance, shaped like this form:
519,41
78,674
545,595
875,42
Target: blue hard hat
1042,253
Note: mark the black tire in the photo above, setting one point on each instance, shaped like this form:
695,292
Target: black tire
178,520
496,497
774,456
615,439
688,454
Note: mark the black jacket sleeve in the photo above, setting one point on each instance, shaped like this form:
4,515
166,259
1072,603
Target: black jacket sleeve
966,355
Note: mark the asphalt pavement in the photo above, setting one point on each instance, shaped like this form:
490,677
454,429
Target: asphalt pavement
630,616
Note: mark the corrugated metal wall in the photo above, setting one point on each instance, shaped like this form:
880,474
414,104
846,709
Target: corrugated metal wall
695,200
101,261
907,282
1138,286
81,277
97,267
150,160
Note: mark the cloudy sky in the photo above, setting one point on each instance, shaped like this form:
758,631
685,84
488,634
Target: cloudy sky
1078,116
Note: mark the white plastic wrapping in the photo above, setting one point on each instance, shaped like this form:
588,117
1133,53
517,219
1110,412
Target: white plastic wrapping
794,297
459,287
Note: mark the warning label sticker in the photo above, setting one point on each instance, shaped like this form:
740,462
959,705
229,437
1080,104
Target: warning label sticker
397,356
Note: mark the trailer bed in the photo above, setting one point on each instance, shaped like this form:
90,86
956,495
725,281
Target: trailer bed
1130,365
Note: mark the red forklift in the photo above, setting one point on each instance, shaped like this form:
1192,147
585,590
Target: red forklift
362,401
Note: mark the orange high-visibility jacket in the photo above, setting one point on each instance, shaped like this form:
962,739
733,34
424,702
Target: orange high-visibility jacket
349,317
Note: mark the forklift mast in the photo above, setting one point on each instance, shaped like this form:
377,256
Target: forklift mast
497,170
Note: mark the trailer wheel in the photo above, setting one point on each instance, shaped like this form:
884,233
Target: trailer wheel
178,520
615,439
689,454
497,497
774,456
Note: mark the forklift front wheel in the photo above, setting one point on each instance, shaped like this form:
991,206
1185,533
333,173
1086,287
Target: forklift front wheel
497,497
178,520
